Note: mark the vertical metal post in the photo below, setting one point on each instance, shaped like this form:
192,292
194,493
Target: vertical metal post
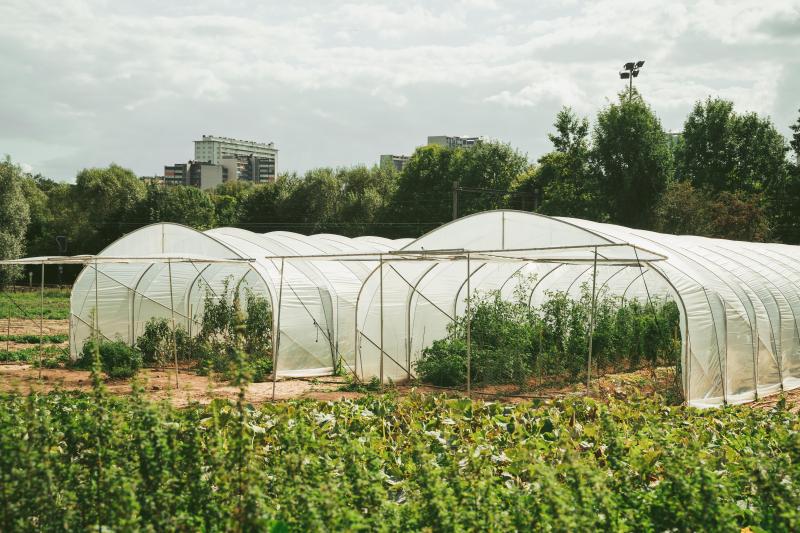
591,324
381,302
41,323
172,312
96,305
276,343
469,328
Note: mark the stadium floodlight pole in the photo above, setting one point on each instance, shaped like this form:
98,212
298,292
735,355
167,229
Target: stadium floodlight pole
629,71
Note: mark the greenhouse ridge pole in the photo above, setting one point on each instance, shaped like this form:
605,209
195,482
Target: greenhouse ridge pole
172,311
41,322
591,324
276,344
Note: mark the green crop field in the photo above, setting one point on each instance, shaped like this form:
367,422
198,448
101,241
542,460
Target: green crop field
86,461
22,304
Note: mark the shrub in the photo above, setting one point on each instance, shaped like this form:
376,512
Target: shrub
155,343
512,341
118,360
444,363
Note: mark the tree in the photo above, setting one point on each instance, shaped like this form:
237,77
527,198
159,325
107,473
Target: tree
183,205
226,209
724,151
682,210
795,141
107,197
686,210
633,160
784,199
14,218
424,195
364,196
264,207
564,177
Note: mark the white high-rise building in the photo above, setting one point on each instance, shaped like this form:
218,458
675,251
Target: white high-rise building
211,149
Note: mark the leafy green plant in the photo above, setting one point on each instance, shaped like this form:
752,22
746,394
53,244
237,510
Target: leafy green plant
91,461
31,338
512,341
155,343
117,359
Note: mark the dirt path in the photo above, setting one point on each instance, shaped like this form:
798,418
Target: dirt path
160,385
30,326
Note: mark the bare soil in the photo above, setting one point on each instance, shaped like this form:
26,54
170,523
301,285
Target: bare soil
30,326
161,384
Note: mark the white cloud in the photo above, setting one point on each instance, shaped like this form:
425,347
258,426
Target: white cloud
80,69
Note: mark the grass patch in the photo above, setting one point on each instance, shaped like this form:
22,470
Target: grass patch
30,338
31,354
27,304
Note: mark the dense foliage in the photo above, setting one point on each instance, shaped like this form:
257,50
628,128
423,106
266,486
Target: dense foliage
14,218
513,342
78,462
226,326
117,359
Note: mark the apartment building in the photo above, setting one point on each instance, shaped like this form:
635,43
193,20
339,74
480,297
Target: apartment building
454,141
256,161
397,161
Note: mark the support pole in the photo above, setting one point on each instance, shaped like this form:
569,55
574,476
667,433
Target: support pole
591,324
469,329
8,331
381,302
172,312
96,306
41,323
276,343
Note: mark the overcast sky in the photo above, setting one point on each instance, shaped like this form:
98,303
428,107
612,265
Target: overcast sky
86,83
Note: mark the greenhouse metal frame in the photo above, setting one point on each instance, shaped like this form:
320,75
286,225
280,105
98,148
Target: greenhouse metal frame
372,305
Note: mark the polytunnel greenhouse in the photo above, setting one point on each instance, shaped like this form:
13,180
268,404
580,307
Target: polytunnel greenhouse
371,305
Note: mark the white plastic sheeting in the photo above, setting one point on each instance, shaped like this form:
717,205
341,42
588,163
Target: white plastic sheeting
317,319
739,302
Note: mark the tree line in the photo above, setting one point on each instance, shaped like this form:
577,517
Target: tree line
728,175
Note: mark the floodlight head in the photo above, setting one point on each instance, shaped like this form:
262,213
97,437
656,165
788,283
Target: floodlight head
635,73
628,66
624,75
639,64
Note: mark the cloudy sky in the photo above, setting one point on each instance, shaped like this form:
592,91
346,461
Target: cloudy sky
85,83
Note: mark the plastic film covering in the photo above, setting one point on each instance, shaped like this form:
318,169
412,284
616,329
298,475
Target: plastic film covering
317,318
739,302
